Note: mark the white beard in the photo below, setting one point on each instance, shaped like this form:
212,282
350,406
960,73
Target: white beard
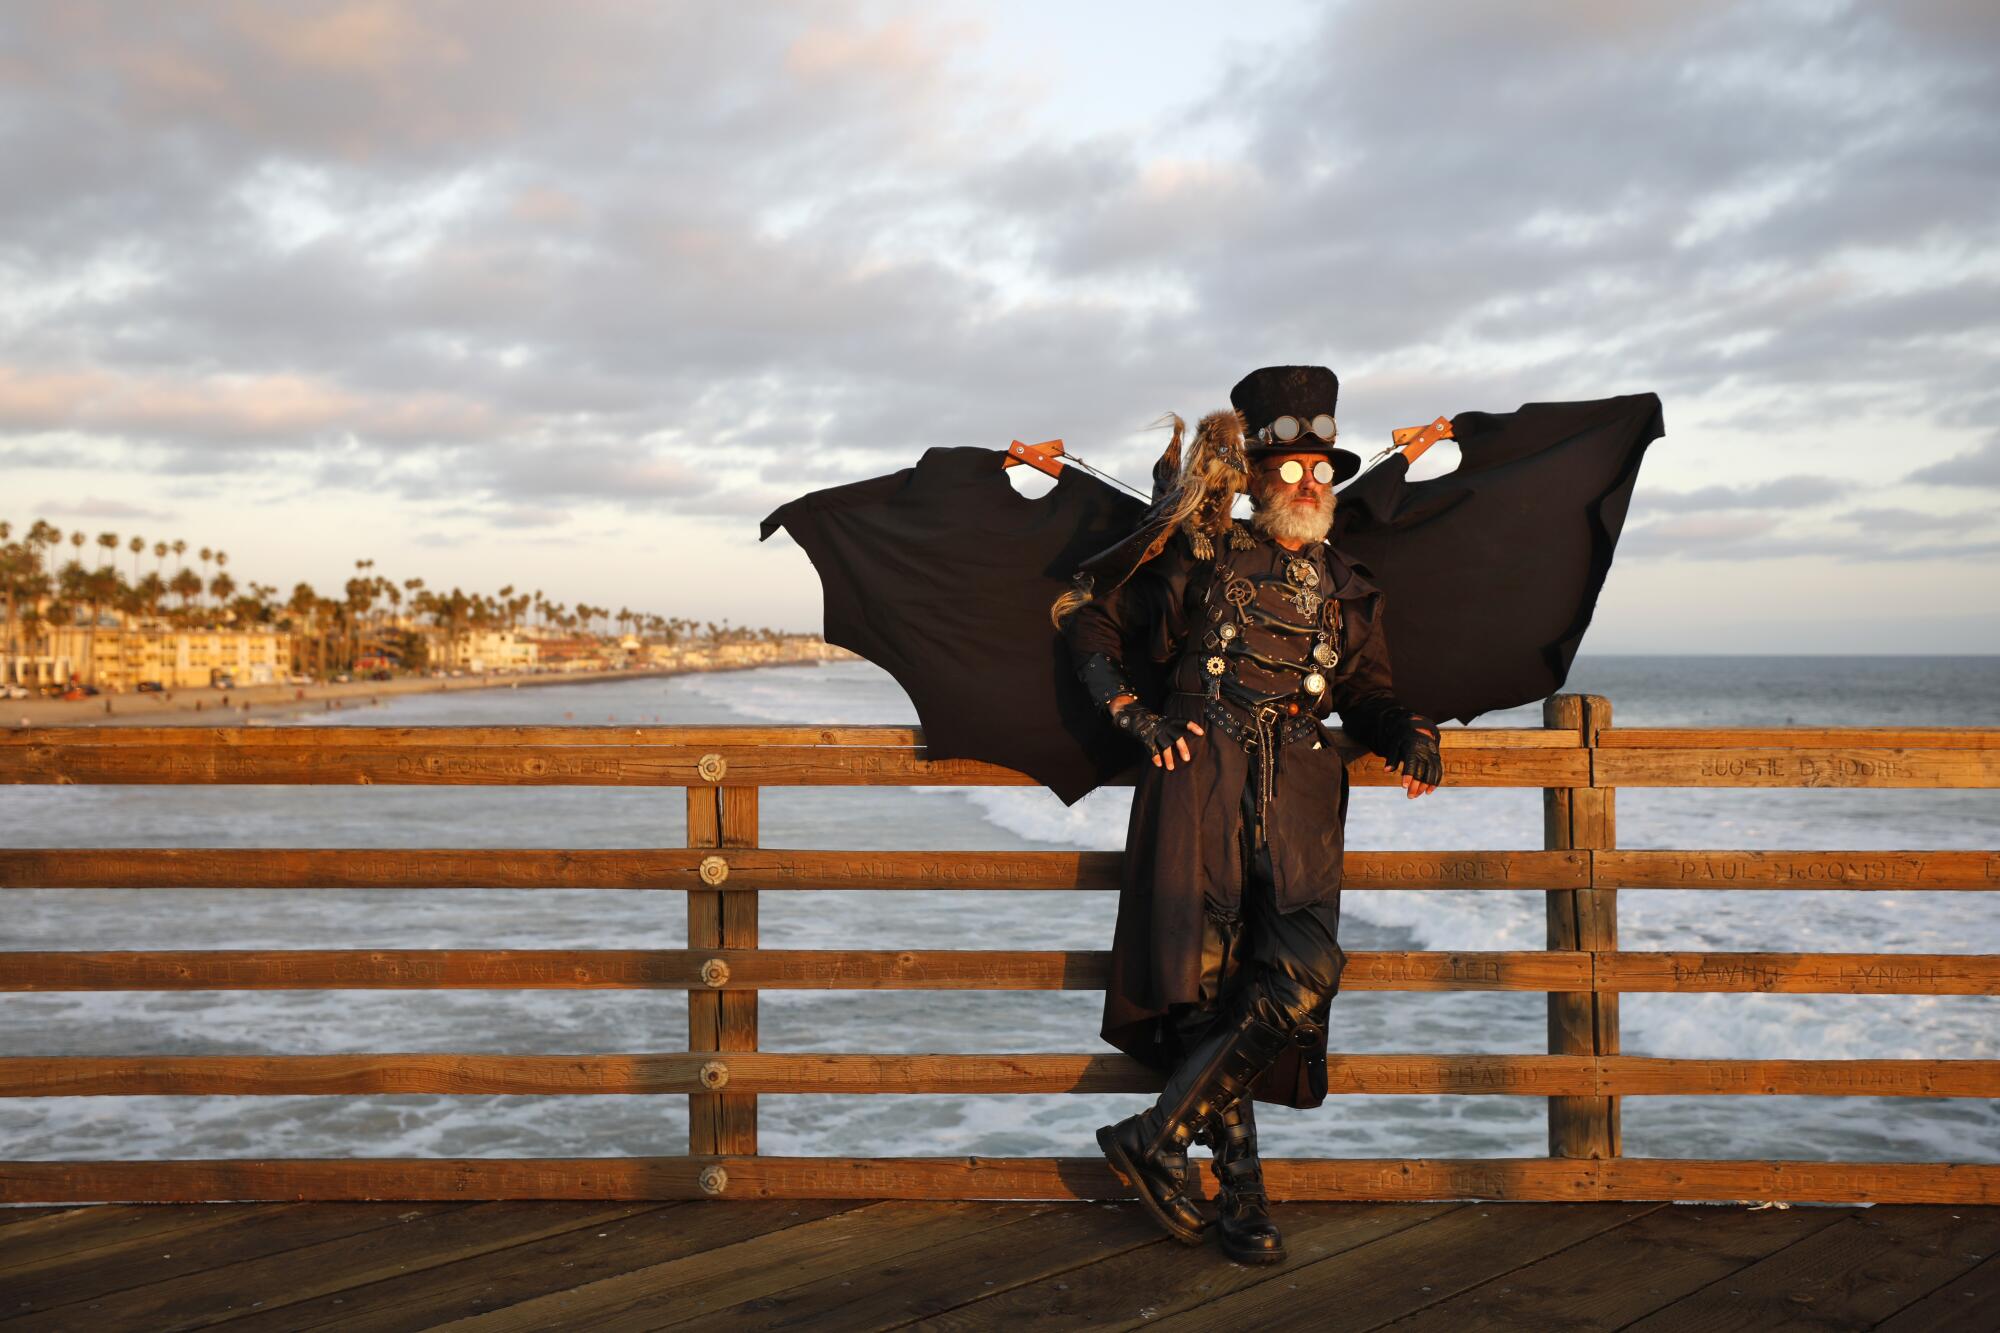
1289,522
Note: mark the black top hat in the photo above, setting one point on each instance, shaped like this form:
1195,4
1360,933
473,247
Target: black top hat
1266,394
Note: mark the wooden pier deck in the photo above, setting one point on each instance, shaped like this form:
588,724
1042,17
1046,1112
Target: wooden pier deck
858,1264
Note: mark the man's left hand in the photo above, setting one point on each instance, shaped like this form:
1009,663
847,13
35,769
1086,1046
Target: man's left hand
1419,759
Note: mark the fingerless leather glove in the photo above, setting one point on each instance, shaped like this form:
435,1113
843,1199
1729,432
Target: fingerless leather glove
1416,752
1157,734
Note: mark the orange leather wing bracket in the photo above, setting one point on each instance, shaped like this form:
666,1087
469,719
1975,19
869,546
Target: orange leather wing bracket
1043,457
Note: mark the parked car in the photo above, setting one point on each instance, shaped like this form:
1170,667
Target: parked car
342,678
225,682
149,687
16,691
299,678
381,673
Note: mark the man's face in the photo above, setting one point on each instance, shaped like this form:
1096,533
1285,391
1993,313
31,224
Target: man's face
1290,512
1268,489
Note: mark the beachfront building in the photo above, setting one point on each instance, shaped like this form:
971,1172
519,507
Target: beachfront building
575,652
116,658
486,650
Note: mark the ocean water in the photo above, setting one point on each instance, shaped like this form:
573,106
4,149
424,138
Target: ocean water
1645,691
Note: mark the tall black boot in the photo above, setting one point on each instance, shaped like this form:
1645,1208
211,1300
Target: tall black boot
1150,1149
1243,1226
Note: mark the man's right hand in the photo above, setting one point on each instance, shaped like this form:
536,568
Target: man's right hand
1160,736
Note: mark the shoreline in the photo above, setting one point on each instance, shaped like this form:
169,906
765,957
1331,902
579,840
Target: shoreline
250,704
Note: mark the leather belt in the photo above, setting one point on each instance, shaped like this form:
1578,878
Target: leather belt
1269,728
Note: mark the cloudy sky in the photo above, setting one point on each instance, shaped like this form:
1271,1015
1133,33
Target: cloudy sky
568,296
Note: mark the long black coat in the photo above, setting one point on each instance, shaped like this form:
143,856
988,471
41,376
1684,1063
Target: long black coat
1184,843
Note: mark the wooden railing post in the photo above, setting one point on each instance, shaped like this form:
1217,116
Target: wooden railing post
721,1021
1582,818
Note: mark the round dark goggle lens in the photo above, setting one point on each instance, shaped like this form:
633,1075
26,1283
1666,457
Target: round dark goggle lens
1291,470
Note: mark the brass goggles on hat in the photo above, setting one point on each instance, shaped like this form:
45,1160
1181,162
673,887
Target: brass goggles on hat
1292,470
1287,428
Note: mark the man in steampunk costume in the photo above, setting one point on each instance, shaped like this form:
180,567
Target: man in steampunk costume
1223,649
1226,961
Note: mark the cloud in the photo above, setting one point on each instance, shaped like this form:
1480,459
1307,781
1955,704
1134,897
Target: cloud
91,506
524,261
1976,467
1789,492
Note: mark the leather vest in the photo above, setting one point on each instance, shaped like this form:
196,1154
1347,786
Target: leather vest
1264,651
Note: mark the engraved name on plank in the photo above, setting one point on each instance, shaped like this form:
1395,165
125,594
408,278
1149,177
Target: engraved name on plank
1367,1074
480,764
1455,967
1434,870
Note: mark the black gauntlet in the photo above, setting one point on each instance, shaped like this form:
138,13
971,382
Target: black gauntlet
1103,679
1157,734
1415,752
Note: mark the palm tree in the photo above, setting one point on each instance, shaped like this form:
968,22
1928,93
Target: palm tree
179,549
47,536
304,609
186,585
100,587
136,545
109,542
159,555
76,540
22,580
206,556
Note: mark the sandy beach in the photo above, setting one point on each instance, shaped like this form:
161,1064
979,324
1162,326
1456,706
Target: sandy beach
248,704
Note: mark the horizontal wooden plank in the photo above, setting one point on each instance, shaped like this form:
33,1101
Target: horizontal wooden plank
780,869
1802,973
340,760
671,868
497,737
739,1071
1941,766
741,969
773,1072
646,1178
503,737
1639,1076
1813,738
1701,869
335,762
756,869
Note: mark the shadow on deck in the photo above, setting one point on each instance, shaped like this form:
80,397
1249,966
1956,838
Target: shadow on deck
842,1264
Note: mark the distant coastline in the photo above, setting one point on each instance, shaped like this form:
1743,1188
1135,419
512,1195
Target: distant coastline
247,705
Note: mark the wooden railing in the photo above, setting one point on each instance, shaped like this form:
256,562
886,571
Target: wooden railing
1577,758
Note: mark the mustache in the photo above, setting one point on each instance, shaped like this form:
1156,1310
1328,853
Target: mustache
1287,517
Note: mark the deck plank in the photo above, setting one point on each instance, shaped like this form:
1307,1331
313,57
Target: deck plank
1625,1273
1966,1304
1040,1241
10,1215
100,1276
500,1278
1143,1285
1861,1270
394,1267
412,1233
114,1228
1413,1268
687,1288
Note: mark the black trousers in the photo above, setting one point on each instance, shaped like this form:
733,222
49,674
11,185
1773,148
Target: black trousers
1301,945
